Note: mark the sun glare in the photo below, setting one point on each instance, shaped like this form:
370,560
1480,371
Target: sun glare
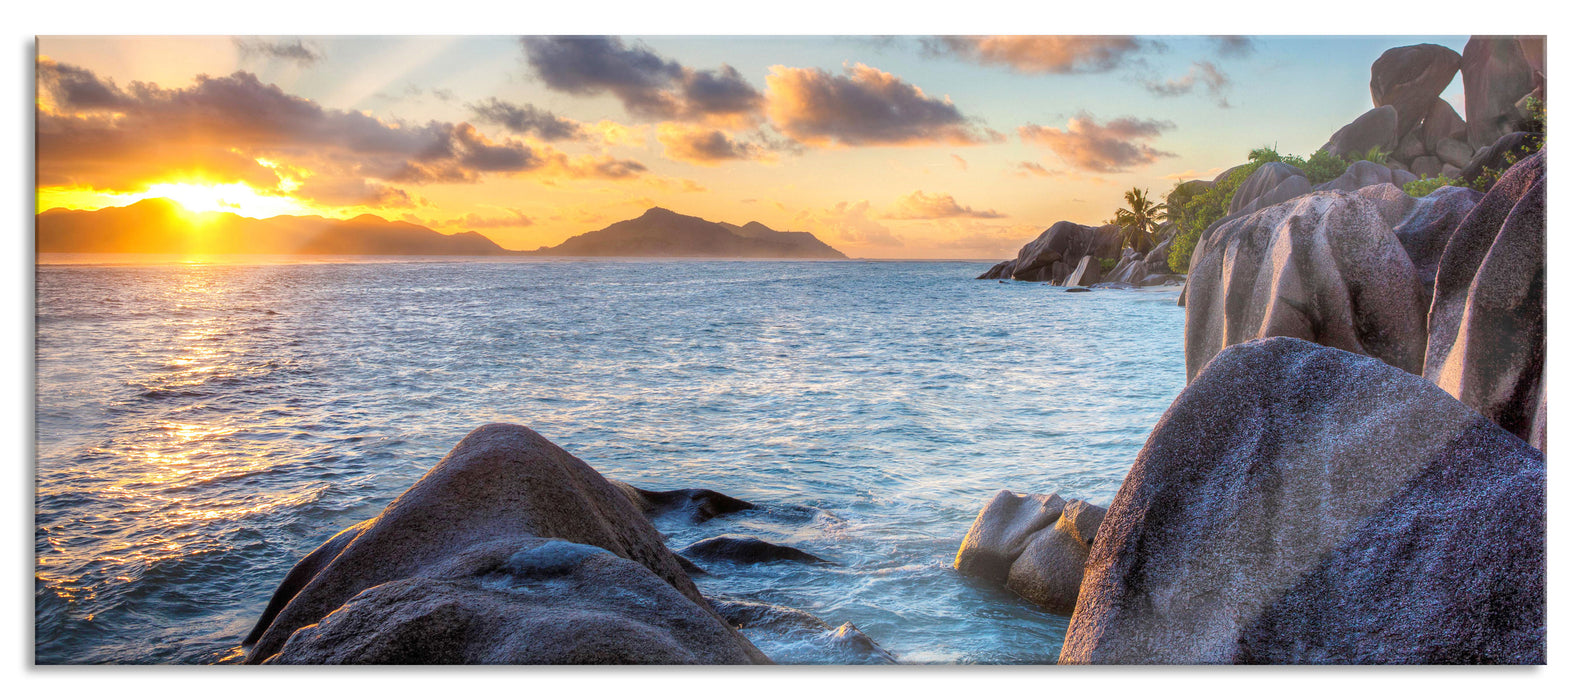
236,198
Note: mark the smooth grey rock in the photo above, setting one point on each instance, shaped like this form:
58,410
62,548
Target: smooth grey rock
1410,146
698,505
1000,271
1003,530
550,602
1426,166
1410,78
1442,122
1495,75
867,650
1358,175
1376,127
1515,145
1157,261
502,487
1487,329
1453,152
1087,273
1049,571
1302,504
1401,177
1325,267
1161,280
779,618
1450,171
1055,252
747,550
1427,226
1264,180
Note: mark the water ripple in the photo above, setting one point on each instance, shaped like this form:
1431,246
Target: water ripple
201,427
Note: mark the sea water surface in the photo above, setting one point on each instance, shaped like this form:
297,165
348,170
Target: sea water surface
201,426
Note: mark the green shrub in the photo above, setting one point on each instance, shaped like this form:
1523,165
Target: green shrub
1205,208
1106,264
1323,166
1374,154
1422,188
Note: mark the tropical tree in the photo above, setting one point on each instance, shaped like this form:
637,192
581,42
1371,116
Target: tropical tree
1139,219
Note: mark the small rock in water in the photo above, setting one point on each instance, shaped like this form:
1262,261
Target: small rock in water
748,550
853,639
1078,289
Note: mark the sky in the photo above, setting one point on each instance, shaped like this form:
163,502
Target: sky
885,147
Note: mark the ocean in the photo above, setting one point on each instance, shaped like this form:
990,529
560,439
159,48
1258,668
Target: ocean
202,425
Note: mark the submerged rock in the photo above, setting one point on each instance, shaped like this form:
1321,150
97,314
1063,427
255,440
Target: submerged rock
1003,530
428,565
698,505
1325,267
803,627
1302,504
748,550
1487,330
1049,571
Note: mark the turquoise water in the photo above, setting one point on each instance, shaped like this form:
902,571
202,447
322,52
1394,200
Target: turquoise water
202,426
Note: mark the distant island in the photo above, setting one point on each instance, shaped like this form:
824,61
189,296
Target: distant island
664,233
162,226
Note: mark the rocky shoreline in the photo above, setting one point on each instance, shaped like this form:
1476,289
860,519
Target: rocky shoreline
1367,386
1354,474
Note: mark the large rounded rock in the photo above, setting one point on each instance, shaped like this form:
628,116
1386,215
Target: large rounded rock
1255,193
1049,571
1487,331
1302,504
1376,128
1442,122
1425,227
1363,173
1087,273
1497,158
1325,267
1453,152
502,488
1496,75
1003,530
1000,271
534,601
1410,78
1055,252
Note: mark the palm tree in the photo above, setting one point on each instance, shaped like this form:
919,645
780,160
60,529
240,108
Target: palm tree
1138,220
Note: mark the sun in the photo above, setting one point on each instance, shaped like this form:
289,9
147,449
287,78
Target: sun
235,197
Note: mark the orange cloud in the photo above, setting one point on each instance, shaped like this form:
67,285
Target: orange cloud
1110,147
864,107
701,145
936,206
850,224
94,134
1044,54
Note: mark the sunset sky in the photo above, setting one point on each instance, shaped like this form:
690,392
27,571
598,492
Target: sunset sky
891,147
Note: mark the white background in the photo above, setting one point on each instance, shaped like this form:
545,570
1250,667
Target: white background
287,17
